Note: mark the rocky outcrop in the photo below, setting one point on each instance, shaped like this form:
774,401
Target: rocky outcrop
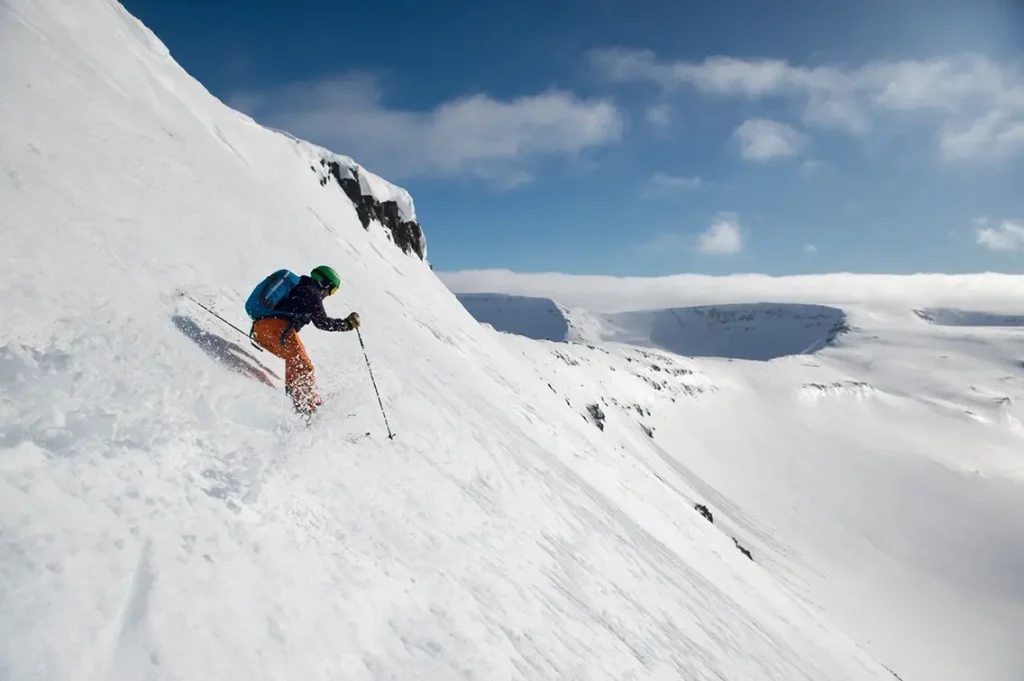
405,233
597,414
743,549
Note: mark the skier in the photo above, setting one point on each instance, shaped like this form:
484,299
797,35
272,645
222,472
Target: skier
277,329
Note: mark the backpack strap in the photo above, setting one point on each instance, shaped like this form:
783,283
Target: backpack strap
291,325
252,339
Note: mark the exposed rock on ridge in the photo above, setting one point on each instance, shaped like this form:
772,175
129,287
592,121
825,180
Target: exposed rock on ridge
405,232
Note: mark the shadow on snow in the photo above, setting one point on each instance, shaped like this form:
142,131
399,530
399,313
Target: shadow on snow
230,355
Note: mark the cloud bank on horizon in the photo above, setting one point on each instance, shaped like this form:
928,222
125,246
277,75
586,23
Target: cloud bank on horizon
992,292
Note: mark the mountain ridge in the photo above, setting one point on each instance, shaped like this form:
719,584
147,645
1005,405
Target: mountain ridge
756,331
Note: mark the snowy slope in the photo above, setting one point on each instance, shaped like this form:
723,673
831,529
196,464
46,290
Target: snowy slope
881,479
951,317
162,516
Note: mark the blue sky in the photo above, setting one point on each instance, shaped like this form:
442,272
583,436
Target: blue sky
652,137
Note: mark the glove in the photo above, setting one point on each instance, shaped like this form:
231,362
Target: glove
352,321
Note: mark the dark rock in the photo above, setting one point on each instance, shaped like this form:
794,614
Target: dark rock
838,385
703,510
595,413
407,235
567,359
840,328
743,550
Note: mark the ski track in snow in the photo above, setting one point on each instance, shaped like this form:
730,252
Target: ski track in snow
164,515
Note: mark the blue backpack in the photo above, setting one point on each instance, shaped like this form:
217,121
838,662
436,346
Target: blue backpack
269,293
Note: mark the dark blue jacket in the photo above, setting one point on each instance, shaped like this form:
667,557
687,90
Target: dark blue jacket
305,304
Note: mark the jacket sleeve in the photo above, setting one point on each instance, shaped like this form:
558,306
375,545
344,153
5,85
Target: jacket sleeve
323,322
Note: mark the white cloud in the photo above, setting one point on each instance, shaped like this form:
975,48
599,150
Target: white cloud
764,140
661,184
660,115
810,249
976,102
723,237
723,75
839,112
1008,236
474,135
990,136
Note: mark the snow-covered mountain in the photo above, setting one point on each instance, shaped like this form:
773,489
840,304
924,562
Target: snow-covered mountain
742,331
164,516
874,465
537,318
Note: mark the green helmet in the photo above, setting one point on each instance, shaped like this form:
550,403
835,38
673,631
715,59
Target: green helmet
326,277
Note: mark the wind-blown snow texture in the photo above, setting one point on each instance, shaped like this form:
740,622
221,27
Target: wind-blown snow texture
163,517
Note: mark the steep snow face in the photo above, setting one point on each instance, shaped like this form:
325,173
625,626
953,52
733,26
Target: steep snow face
881,478
165,517
537,318
760,331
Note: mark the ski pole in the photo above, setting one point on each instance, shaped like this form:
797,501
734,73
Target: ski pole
391,435
185,295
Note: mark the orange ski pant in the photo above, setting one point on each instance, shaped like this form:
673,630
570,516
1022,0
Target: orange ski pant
299,379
